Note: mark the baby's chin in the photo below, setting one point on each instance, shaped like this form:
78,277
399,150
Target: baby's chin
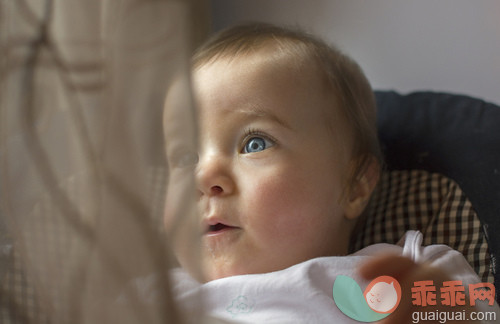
212,272
218,266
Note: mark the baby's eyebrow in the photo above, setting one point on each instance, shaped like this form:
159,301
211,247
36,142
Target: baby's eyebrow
264,114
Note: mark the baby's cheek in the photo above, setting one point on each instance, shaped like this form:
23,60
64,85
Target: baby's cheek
276,205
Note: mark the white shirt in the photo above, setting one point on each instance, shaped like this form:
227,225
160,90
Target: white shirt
303,293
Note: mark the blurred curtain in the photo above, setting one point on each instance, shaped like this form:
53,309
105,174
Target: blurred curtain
82,161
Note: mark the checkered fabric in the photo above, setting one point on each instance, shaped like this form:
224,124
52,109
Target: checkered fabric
19,302
53,255
434,205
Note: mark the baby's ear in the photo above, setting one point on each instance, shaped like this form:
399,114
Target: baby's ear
358,193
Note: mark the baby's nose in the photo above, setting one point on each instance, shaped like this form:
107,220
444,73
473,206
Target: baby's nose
216,190
214,177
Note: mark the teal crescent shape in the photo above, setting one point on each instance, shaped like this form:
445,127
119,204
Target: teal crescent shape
350,300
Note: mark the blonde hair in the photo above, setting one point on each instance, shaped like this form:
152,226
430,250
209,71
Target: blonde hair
341,74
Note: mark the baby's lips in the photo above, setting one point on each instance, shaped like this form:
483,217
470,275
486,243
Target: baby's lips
211,224
218,228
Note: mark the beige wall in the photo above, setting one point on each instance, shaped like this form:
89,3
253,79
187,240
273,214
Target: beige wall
446,45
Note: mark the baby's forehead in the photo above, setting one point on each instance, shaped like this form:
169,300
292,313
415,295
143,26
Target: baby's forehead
294,66
269,66
279,51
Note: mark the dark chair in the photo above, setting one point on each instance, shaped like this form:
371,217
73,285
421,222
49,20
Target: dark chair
455,136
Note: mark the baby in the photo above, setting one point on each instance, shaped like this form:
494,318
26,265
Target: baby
288,150
288,159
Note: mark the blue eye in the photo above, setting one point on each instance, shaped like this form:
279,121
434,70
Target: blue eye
256,144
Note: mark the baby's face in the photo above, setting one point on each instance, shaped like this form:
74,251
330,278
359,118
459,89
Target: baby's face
270,173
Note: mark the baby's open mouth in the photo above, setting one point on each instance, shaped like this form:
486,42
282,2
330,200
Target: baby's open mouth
218,228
